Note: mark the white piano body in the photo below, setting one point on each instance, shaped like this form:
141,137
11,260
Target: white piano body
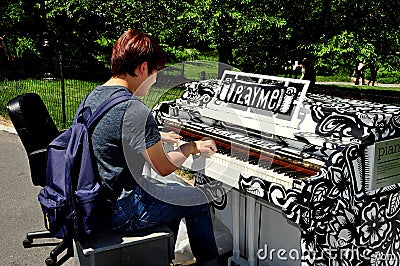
300,179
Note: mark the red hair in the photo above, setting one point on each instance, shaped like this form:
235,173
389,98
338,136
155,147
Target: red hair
132,49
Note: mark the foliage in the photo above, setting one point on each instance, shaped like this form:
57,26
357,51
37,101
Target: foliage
24,46
182,54
254,36
22,26
336,55
386,76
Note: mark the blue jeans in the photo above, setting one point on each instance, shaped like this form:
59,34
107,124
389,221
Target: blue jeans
139,210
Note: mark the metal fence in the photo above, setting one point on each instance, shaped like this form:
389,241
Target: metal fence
62,83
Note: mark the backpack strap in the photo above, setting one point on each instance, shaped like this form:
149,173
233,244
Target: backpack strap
80,110
91,119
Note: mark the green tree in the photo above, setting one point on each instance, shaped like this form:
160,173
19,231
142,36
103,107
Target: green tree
23,26
255,36
247,34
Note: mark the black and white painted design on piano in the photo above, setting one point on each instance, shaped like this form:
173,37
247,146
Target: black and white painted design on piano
269,191
333,209
356,228
214,190
353,119
336,218
340,221
199,93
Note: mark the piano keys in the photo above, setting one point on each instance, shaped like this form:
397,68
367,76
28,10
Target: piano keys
303,168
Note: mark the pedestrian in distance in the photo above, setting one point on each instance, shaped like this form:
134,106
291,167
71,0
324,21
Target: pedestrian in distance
308,71
360,74
4,51
373,74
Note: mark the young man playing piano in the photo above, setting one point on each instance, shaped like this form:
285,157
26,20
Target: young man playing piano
127,136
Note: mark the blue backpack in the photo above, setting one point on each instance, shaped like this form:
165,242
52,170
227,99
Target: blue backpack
73,201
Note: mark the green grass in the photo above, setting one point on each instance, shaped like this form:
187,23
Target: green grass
333,78
51,94
366,88
192,70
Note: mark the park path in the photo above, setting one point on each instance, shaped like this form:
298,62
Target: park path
352,84
19,207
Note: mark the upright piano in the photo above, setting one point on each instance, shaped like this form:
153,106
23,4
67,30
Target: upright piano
299,178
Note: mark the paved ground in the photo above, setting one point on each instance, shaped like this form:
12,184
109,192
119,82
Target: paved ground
19,208
351,83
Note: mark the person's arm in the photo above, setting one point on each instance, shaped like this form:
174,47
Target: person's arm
165,163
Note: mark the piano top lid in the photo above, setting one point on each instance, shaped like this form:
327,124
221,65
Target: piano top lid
351,119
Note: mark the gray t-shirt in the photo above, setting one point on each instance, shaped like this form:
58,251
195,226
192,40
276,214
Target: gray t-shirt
118,139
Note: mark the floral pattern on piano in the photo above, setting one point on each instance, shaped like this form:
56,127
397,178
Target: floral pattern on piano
199,92
353,119
342,224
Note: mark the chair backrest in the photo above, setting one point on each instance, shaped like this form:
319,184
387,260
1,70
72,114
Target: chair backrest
36,129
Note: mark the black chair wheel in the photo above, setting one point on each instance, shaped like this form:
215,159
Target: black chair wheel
50,262
27,243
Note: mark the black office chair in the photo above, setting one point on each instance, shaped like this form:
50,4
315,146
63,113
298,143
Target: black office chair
36,129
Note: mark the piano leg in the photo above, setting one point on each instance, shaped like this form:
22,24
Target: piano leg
235,224
251,201
236,260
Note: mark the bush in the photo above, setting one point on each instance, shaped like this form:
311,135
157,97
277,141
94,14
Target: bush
386,76
182,54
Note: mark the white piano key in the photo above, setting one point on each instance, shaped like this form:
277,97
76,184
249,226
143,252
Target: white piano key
227,169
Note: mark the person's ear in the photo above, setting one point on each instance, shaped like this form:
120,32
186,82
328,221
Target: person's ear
143,68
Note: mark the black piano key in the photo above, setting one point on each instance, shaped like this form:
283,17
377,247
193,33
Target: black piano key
275,166
300,176
289,172
253,160
279,169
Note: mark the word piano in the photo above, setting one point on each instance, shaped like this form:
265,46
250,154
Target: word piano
311,173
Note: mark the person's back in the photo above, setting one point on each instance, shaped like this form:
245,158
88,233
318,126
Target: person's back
373,74
308,71
3,54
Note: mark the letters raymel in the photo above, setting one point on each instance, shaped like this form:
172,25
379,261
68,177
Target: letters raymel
260,96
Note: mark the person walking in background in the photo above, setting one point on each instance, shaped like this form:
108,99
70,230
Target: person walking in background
360,74
308,71
4,52
373,74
